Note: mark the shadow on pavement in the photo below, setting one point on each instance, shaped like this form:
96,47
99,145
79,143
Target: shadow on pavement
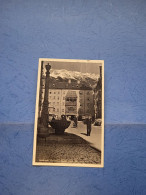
84,134
66,138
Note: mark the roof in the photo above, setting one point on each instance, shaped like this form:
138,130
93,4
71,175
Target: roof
66,85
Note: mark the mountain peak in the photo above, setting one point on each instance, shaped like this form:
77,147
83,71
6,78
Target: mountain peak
75,75
88,79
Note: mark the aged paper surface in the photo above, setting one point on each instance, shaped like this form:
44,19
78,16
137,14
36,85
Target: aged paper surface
69,116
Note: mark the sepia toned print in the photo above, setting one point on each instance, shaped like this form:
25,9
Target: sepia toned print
69,117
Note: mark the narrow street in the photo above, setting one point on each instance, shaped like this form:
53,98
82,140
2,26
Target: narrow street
72,147
95,137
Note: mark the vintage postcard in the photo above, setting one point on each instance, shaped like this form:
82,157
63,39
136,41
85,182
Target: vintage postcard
69,116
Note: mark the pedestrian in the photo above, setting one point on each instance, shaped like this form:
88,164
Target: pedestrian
75,121
88,121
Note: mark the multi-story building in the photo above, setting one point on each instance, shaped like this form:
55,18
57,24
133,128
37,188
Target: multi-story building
98,97
69,98
86,102
71,103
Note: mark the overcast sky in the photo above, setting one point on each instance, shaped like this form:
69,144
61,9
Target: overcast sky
84,67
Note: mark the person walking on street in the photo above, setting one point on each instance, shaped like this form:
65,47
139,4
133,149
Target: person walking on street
75,122
89,126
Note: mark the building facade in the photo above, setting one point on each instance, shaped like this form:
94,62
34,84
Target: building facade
68,98
98,97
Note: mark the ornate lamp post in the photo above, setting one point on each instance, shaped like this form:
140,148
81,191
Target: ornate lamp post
58,125
45,113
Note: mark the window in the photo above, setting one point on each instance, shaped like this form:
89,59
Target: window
58,98
63,98
71,99
62,110
50,92
54,97
58,92
54,92
71,109
57,110
57,103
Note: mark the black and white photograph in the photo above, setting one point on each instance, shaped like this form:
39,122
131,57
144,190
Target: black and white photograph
69,115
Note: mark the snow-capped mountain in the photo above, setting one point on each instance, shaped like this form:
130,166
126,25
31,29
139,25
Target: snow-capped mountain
73,75
87,79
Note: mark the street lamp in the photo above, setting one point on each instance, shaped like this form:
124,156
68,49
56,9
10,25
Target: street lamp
45,112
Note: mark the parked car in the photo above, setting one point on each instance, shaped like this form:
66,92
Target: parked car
98,122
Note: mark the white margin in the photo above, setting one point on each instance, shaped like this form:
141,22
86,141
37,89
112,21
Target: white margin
36,117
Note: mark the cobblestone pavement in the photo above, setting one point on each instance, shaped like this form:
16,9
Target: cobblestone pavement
67,148
95,138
